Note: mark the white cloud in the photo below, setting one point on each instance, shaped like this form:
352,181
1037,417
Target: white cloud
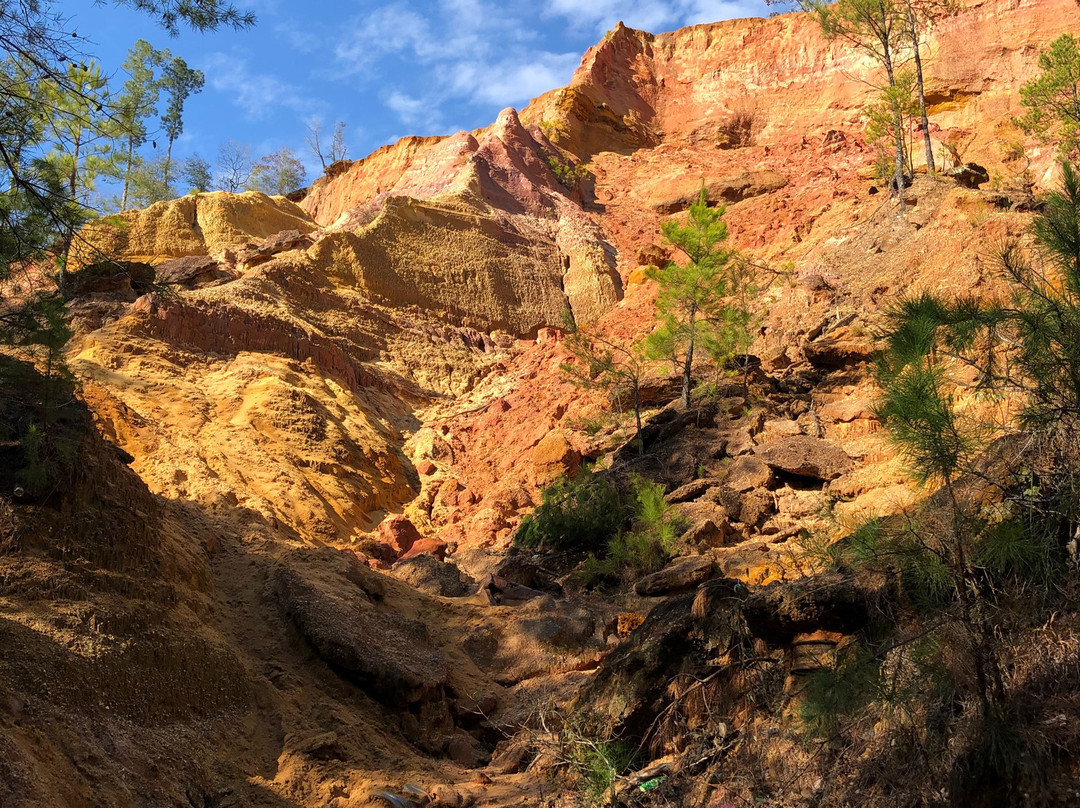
258,94
510,82
488,52
651,15
411,111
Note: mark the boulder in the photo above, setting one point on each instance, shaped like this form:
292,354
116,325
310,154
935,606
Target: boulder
781,427
500,592
847,410
679,576
266,249
190,271
518,569
513,755
436,548
389,656
737,442
568,631
804,456
747,472
969,175
755,507
321,747
399,532
690,491
834,141
833,353
779,612
672,194
337,168
464,750
435,577
707,533
554,457
653,254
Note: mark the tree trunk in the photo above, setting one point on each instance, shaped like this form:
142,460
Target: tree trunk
689,359
898,122
127,173
637,417
168,163
930,167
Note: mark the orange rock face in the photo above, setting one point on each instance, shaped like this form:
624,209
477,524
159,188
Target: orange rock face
405,357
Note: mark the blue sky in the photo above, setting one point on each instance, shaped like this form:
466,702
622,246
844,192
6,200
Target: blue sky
387,68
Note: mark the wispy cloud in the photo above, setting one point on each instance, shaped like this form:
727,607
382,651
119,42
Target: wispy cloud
483,52
258,94
649,15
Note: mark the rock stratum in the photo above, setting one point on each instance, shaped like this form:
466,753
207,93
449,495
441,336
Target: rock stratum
309,391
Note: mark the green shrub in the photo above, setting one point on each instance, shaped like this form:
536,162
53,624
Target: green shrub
568,174
583,514
595,758
644,549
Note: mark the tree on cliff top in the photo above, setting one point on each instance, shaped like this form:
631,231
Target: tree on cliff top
1053,99
702,303
178,81
278,173
137,102
326,153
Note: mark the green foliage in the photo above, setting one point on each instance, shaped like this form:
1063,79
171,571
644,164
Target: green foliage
595,759
79,130
278,173
603,364
1053,105
199,15
136,103
571,175
147,183
991,534
179,82
579,514
705,303
890,118
196,174
645,548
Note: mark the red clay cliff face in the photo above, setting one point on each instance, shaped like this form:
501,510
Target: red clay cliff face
440,261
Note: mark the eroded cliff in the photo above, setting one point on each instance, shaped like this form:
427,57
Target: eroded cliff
317,389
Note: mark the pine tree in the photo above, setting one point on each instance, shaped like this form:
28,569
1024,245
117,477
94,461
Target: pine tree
179,82
704,303
79,127
1053,99
137,102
